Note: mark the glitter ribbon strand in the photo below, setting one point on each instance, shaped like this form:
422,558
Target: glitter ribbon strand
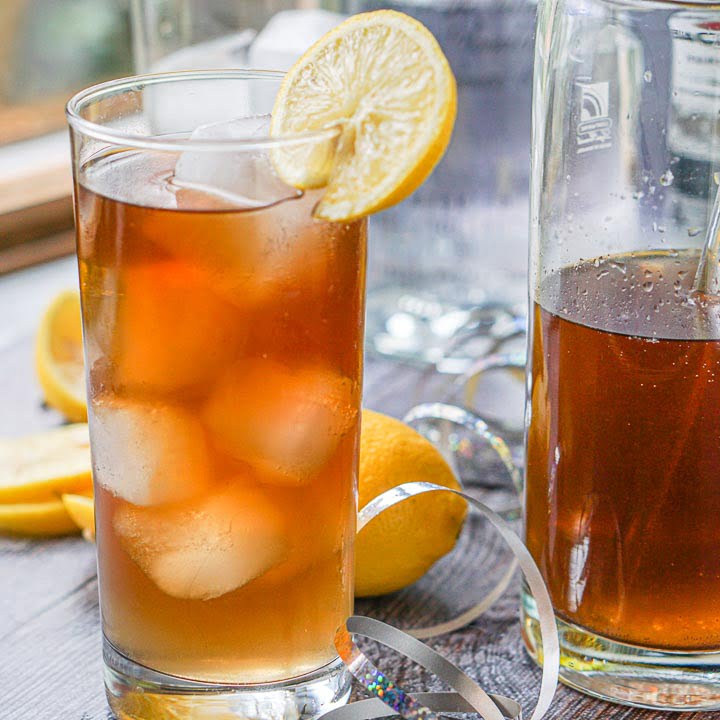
389,698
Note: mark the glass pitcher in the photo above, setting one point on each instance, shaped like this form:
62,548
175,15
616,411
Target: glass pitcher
622,497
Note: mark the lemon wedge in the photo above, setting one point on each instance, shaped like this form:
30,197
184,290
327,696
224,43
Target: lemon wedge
383,81
44,518
82,511
59,357
39,467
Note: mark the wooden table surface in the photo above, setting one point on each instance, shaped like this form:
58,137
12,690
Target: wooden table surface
50,648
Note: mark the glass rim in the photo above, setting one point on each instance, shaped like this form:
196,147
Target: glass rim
111,135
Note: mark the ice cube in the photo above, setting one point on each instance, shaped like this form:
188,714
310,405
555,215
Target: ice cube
181,107
288,35
255,126
206,549
173,330
320,524
265,256
148,453
285,422
245,179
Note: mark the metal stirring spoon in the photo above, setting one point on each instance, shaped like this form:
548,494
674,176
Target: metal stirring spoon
707,277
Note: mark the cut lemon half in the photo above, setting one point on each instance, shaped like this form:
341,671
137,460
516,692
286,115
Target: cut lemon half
46,518
383,81
82,511
39,467
59,357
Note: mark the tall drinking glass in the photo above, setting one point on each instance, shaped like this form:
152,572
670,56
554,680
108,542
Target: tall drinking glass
622,495
223,339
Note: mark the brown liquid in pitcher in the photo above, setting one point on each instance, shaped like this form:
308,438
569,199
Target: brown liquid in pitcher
623,451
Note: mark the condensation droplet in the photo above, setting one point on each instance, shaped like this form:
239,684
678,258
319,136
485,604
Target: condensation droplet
694,231
666,179
647,286
647,76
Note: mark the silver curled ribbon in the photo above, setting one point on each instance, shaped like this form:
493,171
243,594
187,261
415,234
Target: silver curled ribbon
468,696
460,417
475,424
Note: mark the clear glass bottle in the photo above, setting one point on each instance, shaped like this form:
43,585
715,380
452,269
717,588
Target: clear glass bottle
623,433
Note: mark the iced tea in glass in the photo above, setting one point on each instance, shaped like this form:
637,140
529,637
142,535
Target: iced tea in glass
223,335
622,497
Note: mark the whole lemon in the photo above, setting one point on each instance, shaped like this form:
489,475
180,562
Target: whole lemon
401,544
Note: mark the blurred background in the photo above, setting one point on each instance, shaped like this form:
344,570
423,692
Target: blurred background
447,268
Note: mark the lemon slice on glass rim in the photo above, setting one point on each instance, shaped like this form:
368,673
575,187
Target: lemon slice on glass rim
382,79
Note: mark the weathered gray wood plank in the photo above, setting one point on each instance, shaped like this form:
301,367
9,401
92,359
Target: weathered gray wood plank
37,575
51,667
